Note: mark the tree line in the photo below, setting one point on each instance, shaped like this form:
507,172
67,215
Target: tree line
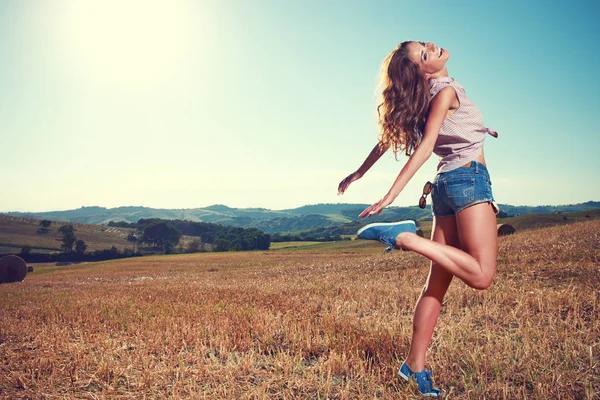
325,234
167,233
73,249
159,235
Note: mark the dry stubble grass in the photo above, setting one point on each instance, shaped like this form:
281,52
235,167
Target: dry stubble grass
304,324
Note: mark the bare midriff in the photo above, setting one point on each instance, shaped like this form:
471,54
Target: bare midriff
480,159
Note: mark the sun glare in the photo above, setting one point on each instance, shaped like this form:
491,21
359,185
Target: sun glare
133,44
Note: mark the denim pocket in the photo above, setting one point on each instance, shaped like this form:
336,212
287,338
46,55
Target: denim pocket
460,191
487,178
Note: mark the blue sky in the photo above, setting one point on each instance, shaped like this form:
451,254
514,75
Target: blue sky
183,104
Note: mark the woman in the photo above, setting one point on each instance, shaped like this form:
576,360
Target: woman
423,111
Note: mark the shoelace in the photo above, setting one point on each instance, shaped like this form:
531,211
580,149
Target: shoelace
386,240
428,379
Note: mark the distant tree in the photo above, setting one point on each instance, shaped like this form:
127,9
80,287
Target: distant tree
263,241
114,252
502,214
240,244
25,250
128,253
194,246
44,224
80,247
162,235
168,247
69,238
208,237
131,237
222,244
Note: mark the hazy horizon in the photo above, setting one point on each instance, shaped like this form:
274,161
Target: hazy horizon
271,104
270,209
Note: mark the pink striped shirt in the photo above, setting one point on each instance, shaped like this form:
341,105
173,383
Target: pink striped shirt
462,134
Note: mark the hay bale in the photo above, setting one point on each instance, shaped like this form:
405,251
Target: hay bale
505,229
29,268
12,269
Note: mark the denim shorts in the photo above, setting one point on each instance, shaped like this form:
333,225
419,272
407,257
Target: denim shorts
455,190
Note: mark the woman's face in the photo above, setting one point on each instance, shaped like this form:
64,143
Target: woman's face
430,58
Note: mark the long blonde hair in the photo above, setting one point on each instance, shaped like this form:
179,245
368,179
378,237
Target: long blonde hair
404,102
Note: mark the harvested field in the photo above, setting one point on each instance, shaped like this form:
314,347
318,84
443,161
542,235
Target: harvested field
319,322
17,232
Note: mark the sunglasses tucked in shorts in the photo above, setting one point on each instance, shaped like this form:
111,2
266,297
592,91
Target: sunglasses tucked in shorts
455,190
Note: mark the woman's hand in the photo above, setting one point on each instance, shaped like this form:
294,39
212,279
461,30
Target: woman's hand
373,156
347,181
376,208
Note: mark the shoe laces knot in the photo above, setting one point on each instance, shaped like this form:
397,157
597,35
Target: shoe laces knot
427,376
387,240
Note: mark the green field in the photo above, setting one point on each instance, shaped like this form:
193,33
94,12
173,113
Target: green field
290,245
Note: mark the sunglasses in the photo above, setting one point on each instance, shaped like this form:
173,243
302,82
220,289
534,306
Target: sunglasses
426,190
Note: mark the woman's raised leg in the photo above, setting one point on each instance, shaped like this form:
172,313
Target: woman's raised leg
478,235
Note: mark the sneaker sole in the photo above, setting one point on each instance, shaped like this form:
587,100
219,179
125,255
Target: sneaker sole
361,230
405,377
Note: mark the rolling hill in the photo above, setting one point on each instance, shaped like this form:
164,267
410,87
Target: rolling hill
272,221
18,232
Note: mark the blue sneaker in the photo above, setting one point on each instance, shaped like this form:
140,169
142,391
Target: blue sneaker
386,232
422,378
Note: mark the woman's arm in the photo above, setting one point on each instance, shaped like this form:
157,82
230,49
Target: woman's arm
373,156
438,109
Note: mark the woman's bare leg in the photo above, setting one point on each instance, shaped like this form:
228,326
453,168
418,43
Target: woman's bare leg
478,235
429,304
